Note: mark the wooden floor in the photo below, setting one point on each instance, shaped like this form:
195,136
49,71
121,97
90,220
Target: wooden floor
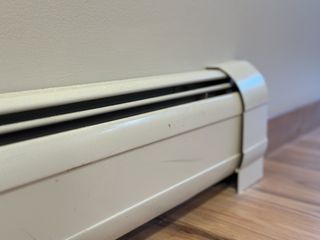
284,205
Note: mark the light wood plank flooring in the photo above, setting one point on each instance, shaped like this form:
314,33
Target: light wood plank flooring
284,205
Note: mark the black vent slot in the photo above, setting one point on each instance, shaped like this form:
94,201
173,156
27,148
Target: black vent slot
102,102
35,132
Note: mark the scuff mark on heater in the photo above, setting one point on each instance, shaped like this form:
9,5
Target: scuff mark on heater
183,160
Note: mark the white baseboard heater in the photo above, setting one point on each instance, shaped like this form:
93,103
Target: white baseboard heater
95,161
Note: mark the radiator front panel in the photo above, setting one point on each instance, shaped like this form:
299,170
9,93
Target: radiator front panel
88,202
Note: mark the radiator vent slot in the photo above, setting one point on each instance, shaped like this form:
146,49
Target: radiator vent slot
32,123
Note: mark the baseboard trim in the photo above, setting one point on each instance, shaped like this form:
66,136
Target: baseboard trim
289,126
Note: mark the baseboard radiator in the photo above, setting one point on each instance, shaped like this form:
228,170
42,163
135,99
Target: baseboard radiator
95,161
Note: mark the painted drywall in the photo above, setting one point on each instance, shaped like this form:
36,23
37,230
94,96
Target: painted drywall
46,43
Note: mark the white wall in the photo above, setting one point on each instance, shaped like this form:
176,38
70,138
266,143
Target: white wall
46,43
